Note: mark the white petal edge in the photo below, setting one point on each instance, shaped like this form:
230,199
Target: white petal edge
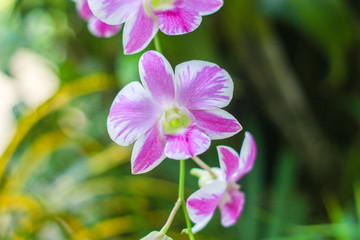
114,12
148,151
132,113
210,195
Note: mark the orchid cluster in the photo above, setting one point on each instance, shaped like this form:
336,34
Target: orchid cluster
174,113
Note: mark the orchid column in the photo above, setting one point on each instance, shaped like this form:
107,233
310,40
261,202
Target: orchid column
172,113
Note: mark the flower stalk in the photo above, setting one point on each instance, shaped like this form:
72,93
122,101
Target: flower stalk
204,166
182,199
180,202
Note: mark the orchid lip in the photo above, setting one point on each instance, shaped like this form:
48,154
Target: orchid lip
175,121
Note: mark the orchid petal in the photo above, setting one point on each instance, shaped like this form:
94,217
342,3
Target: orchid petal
247,155
148,151
114,12
202,204
203,85
231,205
178,21
101,29
205,7
132,113
139,30
217,123
83,9
157,76
190,143
229,161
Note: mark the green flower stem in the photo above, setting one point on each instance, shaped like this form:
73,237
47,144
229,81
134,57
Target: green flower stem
180,202
157,44
204,166
188,223
182,198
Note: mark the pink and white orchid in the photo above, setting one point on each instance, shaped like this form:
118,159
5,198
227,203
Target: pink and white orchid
222,191
96,27
172,115
143,18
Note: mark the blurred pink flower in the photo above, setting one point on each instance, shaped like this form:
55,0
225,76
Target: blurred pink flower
96,27
143,18
223,191
172,115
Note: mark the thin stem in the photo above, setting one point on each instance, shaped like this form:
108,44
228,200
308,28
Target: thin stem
171,216
188,223
157,44
180,202
204,166
182,180
182,198
66,228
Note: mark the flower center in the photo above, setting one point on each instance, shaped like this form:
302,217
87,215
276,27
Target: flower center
147,7
175,121
162,5
226,197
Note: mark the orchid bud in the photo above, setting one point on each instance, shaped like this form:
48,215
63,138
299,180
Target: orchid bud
155,235
204,176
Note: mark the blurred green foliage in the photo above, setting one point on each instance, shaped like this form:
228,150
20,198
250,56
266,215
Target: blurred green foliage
296,68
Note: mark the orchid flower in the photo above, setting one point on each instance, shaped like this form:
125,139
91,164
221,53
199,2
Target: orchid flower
172,115
143,18
222,191
96,27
